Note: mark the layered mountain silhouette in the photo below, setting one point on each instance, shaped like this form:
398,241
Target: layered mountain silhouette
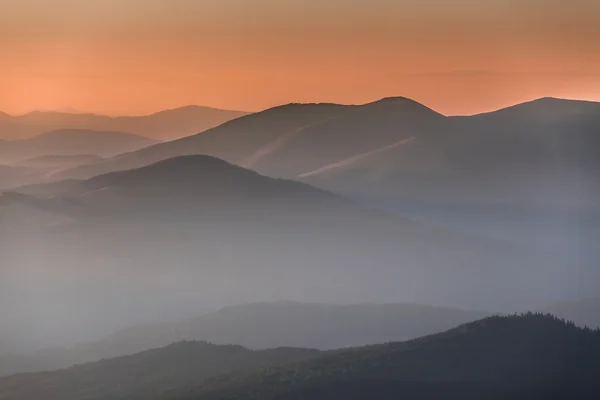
398,150
518,357
261,326
164,125
526,174
198,228
146,374
289,140
39,158
72,142
542,153
234,141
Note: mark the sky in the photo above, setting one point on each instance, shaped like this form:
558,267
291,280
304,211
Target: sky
129,57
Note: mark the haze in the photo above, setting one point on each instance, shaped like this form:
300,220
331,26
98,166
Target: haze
288,192
137,57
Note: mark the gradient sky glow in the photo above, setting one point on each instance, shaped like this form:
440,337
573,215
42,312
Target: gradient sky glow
140,56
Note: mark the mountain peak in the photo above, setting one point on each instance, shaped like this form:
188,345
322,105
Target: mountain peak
550,108
401,102
561,100
194,108
191,162
177,170
396,100
303,106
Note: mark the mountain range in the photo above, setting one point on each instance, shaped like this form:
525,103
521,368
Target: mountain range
197,229
260,326
40,157
517,357
163,125
398,150
72,142
546,146
527,174
146,374
391,185
281,324
199,201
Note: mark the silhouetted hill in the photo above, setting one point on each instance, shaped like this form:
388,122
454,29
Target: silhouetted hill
396,150
72,142
528,174
145,374
547,146
583,312
202,183
260,326
547,109
289,140
519,357
163,125
233,141
362,129
197,228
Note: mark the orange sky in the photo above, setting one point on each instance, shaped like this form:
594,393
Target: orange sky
140,56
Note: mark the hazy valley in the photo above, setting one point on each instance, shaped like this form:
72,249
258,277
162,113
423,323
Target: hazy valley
304,251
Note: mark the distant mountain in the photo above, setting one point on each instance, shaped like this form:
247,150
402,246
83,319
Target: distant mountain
289,140
312,325
361,130
260,326
164,125
547,109
199,229
146,374
583,312
39,158
72,142
526,174
519,357
236,141
546,146
398,151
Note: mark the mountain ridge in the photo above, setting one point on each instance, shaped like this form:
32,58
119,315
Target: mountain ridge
262,326
162,125
224,142
519,357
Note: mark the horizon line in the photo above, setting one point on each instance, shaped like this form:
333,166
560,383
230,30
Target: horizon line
111,115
